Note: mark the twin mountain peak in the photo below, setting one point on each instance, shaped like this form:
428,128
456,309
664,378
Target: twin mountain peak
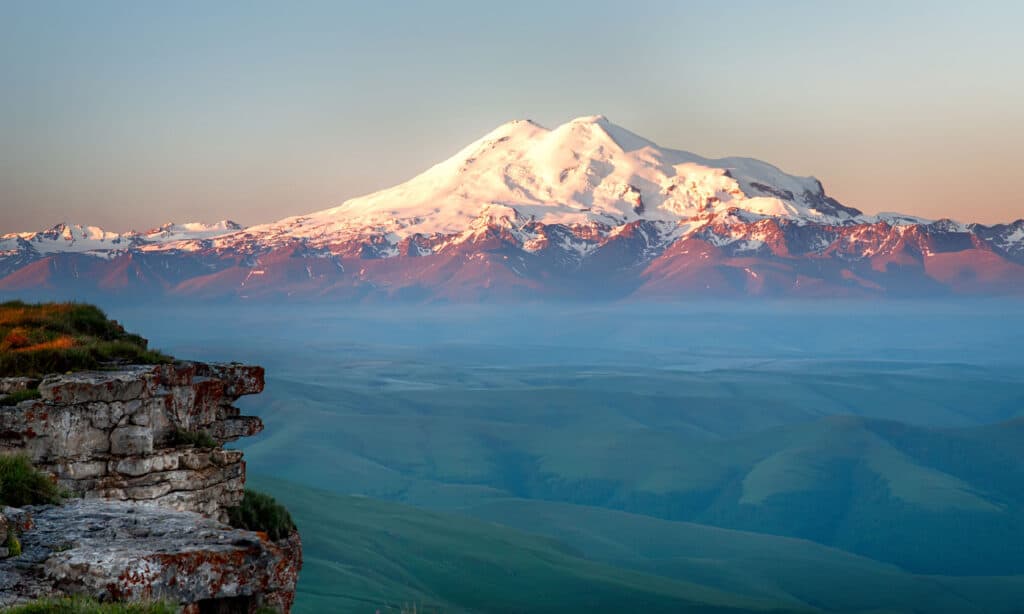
587,210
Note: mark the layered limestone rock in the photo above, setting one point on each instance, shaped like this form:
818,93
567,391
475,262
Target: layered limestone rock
142,447
16,384
127,551
126,434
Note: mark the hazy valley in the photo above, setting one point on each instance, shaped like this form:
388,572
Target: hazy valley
763,457
511,307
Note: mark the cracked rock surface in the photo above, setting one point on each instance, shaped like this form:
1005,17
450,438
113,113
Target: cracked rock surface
132,551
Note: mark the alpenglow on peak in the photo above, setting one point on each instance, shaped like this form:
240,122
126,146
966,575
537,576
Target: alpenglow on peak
584,208
585,171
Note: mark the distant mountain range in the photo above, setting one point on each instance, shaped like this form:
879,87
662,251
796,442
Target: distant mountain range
587,210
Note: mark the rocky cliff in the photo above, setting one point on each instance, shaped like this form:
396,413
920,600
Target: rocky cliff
142,447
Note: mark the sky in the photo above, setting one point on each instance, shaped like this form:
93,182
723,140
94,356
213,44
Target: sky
130,114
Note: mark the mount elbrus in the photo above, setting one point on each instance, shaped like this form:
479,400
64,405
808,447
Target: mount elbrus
587,210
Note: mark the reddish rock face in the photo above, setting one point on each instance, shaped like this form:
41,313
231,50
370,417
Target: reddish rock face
529,260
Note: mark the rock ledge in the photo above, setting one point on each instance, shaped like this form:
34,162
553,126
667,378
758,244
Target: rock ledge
116,434
115,550
143,446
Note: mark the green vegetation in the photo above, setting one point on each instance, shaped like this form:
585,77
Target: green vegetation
36,339
260,512
19,395
13,545
734,449
81,605
415,608
199,439
757,455
541,556
368,555
22,484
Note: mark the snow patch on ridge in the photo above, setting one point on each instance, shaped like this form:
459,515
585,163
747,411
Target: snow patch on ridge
78,238
895,219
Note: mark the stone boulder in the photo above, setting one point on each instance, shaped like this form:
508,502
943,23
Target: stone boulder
127,551
17,384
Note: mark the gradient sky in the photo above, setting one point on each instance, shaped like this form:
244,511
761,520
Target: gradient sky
129,114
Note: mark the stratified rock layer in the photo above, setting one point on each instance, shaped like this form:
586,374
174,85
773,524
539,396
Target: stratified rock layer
143,446
118,434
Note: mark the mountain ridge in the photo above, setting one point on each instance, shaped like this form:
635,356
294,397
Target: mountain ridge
531,212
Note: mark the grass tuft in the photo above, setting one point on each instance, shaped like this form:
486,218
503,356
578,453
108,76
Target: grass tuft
20,395
36,339
199,439
260,512
13,544
22,484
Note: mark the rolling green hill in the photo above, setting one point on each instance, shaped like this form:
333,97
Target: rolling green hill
365,555
794,571
841,457
873,487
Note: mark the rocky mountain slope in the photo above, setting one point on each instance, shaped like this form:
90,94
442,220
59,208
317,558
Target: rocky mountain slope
588,210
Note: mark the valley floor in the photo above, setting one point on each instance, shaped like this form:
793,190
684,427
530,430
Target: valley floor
825,457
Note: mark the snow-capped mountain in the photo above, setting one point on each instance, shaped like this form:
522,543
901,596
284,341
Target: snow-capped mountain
93,239
584,210
585,172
